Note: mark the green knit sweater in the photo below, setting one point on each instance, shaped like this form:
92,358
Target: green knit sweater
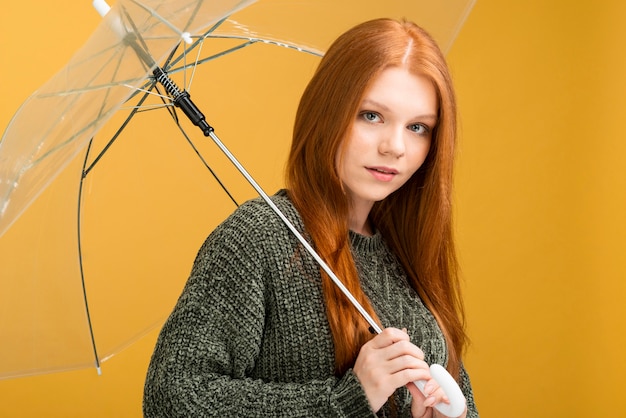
249,335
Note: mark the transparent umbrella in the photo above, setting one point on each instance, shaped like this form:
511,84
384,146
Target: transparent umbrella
106,189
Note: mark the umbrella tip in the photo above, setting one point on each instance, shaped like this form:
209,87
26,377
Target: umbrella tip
99,370
101,7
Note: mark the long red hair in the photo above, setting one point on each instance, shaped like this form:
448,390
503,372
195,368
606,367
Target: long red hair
416,220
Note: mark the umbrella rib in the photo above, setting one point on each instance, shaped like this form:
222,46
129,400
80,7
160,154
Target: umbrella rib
210,58
170,108
193,14
199,41
116,135
103,115
80,262
174,115
160,18
310,51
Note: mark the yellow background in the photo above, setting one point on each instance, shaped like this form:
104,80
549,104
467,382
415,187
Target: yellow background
540,207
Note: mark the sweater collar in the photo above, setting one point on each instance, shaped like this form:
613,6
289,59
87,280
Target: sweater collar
365,244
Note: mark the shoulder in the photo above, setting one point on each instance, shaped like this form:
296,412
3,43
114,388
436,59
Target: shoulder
252,239
256,216
255,226
260,212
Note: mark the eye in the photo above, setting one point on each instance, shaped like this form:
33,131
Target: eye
419,128
371,116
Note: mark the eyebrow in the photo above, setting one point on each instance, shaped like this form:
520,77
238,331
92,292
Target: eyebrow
431,116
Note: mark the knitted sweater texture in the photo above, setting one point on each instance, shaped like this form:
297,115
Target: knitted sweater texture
249,337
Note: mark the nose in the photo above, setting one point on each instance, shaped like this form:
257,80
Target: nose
392,143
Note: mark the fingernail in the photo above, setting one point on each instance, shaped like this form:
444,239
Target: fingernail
430,401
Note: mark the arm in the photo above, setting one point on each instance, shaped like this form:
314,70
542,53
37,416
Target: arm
208,349
199,370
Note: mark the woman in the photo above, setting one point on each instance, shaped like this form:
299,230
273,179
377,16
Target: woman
259,330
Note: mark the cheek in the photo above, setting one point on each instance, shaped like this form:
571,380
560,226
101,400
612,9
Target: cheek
418,155
341,158
350,146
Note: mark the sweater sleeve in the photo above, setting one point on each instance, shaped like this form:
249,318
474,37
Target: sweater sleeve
466,388
210,343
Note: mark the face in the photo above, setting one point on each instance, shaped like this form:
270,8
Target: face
390,137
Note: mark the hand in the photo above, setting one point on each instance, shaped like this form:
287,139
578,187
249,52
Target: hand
421,406
387,362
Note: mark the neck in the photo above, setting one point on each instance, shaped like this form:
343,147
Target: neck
359,220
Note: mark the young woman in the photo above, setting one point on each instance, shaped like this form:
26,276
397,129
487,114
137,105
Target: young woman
260,330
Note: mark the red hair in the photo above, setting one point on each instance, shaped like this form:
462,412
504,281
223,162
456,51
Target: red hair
416,220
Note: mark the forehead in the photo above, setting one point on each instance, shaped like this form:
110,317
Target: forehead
396,88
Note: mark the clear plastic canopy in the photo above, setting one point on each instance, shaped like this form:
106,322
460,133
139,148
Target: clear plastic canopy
99,225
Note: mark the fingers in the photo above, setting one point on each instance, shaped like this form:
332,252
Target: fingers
388,362
423,401
391,353
418,409
397,341
434,394
389,336
394,348
432,388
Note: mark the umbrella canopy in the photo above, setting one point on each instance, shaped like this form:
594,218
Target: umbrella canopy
98,229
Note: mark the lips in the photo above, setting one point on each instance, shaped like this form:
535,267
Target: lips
383,170
382,173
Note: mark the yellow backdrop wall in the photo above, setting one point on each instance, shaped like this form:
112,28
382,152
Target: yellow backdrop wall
540,207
